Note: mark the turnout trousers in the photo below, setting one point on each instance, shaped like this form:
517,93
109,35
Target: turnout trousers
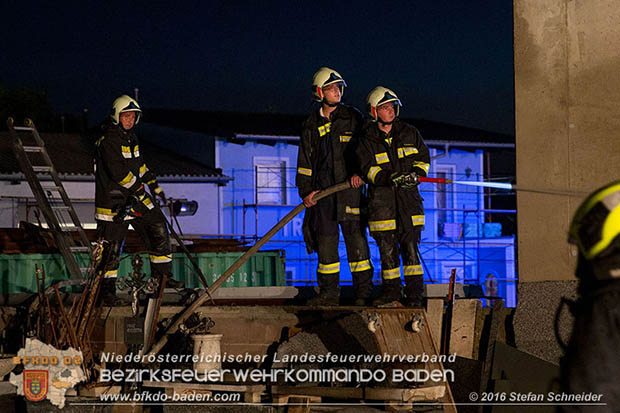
358,255
392,245
151,228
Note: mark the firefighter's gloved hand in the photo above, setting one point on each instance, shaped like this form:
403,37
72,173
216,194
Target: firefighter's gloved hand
126,210
405,180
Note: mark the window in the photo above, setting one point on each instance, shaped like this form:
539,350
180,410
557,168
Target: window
444,202
270,179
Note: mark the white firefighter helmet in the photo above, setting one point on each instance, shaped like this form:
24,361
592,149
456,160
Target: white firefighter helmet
595,229
323,77
380,95
125,104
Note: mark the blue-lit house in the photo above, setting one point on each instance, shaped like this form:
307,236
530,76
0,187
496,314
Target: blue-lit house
470,229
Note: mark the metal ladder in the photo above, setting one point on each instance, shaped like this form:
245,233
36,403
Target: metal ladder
58,212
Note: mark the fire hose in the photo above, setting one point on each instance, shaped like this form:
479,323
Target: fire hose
329,191
185,314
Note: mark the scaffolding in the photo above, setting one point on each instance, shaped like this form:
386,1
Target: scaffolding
466,237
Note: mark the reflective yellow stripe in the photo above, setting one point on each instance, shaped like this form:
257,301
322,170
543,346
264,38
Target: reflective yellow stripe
126,150
325,129
387,225
143,170
354,211
406,151
151,182
412,270
372,173
147,202
422,165
159,259
104,214
388,141
417,220
382,158
136,151
105,211
111,274
358,266
304,171
99,140
128,181
329,268
158,190
345,138
390,274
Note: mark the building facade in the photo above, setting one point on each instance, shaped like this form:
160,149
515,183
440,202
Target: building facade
457,233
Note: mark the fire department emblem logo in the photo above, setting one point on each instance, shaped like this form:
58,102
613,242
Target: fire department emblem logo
35,384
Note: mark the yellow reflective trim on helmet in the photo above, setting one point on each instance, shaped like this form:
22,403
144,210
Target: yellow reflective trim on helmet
382,158
304,171
329,268
610,228
386,225
412,270
128,180
350,210
358,266
422,165
417,220
391,274
325,129
372,173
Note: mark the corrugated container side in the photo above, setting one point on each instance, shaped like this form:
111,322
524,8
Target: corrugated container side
265,268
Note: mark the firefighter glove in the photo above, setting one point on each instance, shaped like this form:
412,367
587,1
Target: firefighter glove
405,180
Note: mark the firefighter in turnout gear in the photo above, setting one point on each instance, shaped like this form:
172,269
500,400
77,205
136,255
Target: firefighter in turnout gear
327,157
392,155
591,362
121,199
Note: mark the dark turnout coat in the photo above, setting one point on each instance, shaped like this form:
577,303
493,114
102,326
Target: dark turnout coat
120,171
381,155
315,171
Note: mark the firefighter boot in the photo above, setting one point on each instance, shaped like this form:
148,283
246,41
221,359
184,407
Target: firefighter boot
390,291
414,291
172,283
329,294
107,291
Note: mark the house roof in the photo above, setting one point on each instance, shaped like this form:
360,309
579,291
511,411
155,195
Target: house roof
272,125
72,155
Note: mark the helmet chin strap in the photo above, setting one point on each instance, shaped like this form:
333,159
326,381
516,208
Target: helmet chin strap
384,123
331,105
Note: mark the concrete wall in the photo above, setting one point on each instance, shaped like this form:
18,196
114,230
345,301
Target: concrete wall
567,91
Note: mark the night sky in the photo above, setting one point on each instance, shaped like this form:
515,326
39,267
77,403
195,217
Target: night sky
449,61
